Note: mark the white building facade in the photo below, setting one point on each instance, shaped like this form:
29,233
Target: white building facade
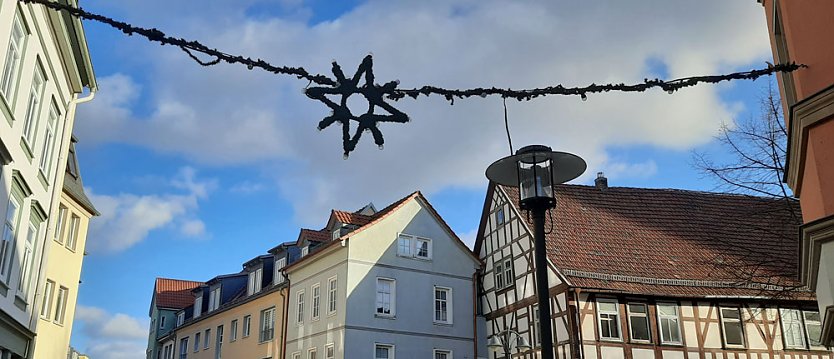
399,283
45,68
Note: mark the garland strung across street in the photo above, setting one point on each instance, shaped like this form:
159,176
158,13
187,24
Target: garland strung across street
376,94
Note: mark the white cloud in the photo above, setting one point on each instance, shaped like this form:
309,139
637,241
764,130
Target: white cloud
646,169
247,187
226,115
112,336
127,219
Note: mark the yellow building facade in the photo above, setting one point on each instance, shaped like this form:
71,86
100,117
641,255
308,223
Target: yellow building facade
249,327
62,268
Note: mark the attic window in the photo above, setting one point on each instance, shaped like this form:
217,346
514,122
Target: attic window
72,165
336,234
499,217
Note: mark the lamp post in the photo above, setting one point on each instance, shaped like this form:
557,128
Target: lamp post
503,340
535,170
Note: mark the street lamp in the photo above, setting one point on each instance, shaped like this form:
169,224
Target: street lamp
502,340
535,170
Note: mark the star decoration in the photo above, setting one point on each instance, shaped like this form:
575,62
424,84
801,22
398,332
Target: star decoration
373,93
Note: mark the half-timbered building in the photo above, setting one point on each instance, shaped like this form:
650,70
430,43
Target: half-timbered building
650,273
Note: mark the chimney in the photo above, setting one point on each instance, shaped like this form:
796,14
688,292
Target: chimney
601,182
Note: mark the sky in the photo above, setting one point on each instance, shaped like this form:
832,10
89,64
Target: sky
198,169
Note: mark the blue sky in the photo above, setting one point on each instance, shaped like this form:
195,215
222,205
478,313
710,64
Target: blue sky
197,170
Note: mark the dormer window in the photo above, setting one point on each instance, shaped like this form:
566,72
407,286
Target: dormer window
278,276
198,305
180,318
305,250
214,299
255,281
336,234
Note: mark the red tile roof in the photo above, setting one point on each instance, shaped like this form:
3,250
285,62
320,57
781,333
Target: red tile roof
672,242
313,235
174,293
351,217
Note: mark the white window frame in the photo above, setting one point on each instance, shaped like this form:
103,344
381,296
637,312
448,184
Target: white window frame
267,325
61,305
408,246
7,242
72,237
448,353
184,348
449,305
644,316
180,318
312,353
305,250
417,248
247,326
332,292
616,319
198,306
673,318
799,325
29,245
812,322
296,355
315,301
197,342
233,330
299,306
537,335
498,274
392,301
500,217
33,107
255,281
218,342
278,277
206,338
46,304
14,55
45,164
330,351
391,350
59,226
214,299
732,320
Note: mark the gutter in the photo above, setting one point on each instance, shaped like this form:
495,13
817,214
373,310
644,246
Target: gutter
475,312
286,319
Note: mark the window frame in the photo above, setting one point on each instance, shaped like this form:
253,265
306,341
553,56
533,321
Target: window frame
247,326
447,352
536,329
31,118
13,73
262,328
48,142
46,302
183,348
299,306
197,341
740,320
61,306
646,315
180,318
233,330
72,238
312,353
391,350
332,293
198,305
278,277
616,312
61,224
327,351
315,302
449,301
11,224
207,339
30,243
417,248
162,321
805,327
392,302
500,217
676,318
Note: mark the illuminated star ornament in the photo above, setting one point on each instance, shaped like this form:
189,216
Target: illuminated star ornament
341,113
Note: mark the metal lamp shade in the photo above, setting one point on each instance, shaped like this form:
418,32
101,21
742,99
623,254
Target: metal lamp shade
535,169
494,344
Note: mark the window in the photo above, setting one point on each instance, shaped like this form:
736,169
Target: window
61,305
206,338
162,322
669,322
537,338
503,272
196,342
733,329
638,322
247,323
813,327
267,324
311,353
218,342
332,287
336,234
442,354
330,351
46,304
296,355
214,299
9,234
609,319
499,217
385,295
300,301
423,248
279,264
72,238
233,334
13,55
180,318
316,296
49,140
792,328
184,348
30,121
443,305
412,246
255,281
29,246
198,305
383,351
59,227
305,250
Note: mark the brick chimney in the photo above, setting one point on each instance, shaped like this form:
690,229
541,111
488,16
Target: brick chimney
601,182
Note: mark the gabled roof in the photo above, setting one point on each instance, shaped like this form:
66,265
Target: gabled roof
174,293
345,217
382,214
672,242
285,246
311,235
257,260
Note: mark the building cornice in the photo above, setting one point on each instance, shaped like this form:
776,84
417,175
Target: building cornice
804,114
